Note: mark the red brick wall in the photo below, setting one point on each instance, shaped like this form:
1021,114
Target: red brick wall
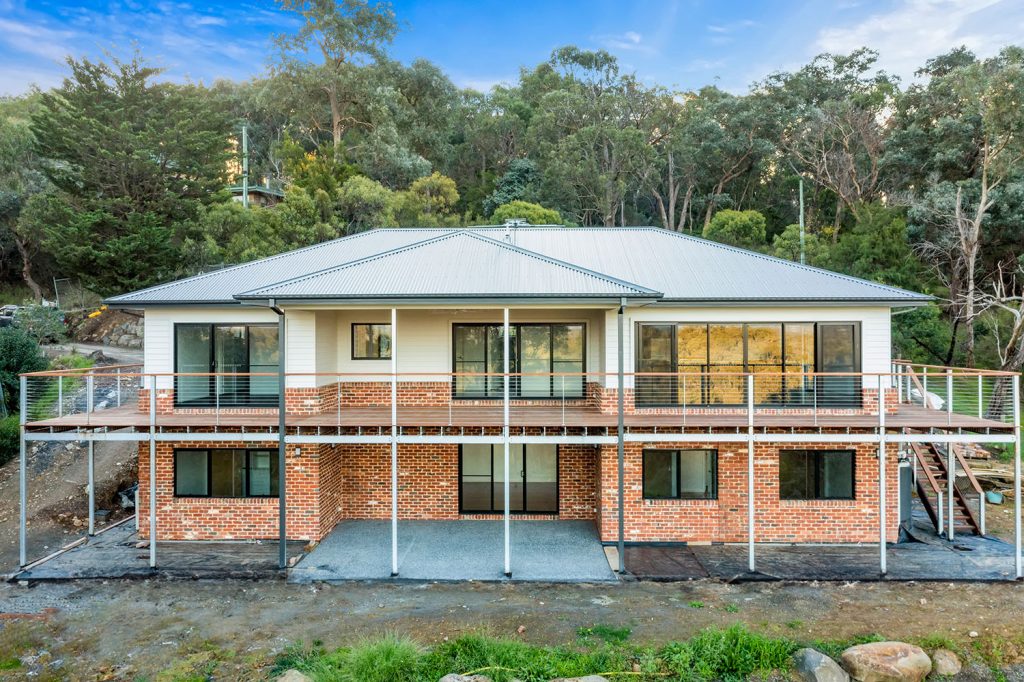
196,518
725,519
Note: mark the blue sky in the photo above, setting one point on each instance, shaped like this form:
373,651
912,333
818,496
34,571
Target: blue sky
683,43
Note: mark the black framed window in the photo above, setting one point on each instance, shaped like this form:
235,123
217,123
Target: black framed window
701,363
225,472
538,351
816,474
680,474
371,341
227,354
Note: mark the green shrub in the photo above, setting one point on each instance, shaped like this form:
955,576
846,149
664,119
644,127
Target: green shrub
10,435
45,324
19,353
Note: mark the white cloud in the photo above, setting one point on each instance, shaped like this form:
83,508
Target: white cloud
630,41
34,39
916,30
731,27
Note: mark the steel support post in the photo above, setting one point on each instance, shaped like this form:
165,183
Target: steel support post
1019,569
751,560
882,488
92,487
22,478
394,442
505,436
621,444
282,447
152,471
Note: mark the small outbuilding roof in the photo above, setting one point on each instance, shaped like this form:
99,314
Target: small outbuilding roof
505,263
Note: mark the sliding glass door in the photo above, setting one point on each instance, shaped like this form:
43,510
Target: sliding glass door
533,478
225,355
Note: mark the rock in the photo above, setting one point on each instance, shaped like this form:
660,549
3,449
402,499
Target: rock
814,666
452,677
886,662
294,675
945,663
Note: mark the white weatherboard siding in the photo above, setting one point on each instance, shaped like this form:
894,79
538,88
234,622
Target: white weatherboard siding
158,352
876,349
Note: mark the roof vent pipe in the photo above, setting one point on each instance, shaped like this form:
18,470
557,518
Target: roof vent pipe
512,224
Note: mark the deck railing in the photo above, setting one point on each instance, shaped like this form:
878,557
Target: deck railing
942,391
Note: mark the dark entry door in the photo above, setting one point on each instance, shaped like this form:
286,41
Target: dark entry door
533,479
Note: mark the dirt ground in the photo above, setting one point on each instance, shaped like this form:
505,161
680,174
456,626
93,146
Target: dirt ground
57,495
232,630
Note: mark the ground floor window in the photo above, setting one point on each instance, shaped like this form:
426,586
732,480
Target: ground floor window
533,478
816,474
225,473
680,474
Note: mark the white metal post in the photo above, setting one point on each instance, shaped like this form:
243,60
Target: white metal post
394,442
92,488
505,436
152,471
22,478
924,387
88,398
882,516
60,396
981,399
949,397
950,483
750,474
1016,477
282,431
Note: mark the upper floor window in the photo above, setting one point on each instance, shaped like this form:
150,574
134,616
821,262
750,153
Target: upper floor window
226,354
550,359
371,341
703,363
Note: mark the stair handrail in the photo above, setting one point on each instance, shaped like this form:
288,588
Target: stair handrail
919,456
957,451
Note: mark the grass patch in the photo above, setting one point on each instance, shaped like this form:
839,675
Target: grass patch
714,654
605,633
10,663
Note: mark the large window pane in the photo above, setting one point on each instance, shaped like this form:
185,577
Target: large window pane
535,358
470,357
190,473
698,474
541,475
764,357
837,346
515,468
263,358
227,473
230,356
656,356
816,474
661,476
568,345
725,351
799,358
262,473
193,348
476,477
692,362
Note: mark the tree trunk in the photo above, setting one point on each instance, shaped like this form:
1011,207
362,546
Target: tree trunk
26,268
336,125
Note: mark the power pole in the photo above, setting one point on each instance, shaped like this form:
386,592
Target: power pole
245,166
802,239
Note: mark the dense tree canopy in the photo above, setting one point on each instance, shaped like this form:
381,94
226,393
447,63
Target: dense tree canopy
116,179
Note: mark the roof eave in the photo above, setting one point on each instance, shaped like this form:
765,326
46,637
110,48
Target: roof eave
461,299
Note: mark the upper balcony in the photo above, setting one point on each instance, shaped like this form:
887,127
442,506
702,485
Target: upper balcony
914,397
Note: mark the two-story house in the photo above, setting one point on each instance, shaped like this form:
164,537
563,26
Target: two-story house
663,387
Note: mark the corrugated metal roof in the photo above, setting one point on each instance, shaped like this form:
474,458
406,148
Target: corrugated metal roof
457,265
682,267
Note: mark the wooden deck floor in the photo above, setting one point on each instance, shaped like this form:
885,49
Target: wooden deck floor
908,416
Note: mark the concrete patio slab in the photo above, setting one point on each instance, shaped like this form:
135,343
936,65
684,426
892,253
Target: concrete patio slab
548,551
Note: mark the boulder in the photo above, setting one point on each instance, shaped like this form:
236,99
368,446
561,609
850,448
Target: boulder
452,677
945,663
294,675
814,666
886,662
